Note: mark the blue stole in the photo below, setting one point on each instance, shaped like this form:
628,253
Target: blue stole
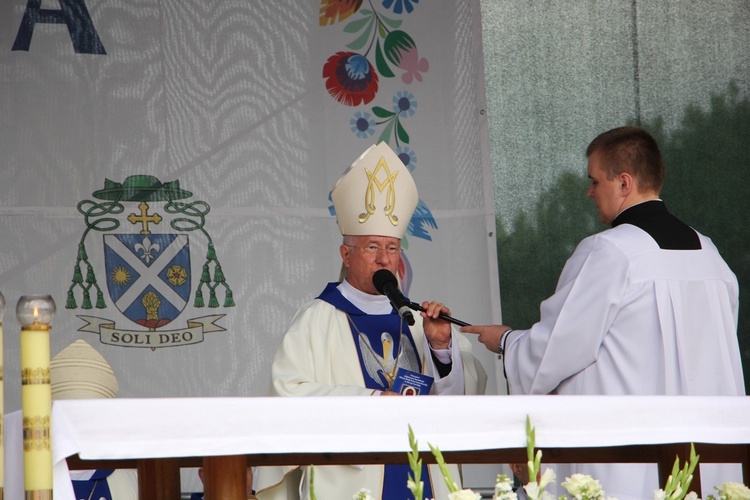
95,487
373,327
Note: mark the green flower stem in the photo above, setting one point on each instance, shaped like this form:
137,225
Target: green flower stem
452,487
415,463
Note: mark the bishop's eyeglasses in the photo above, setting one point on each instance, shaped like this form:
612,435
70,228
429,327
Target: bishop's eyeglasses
391,250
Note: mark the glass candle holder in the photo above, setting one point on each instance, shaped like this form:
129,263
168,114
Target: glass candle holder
35,310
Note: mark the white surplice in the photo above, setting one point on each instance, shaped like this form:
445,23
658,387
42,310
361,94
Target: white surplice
629,318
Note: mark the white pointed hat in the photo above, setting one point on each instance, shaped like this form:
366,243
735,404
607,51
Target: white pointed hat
80,372
376,195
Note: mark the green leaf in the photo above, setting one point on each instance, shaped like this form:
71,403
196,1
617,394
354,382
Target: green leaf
452,487
361,39
312,483
402,135
382,112
393,23
381,63
357,25
386,133
534,462
415,463
395,43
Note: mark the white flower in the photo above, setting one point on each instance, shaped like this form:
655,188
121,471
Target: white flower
692,496
535,492
660,495
412,485
504,489
548,476
734,491
464,495
362,494
583,487
510,495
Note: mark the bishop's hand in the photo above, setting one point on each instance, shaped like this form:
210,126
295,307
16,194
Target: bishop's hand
437,331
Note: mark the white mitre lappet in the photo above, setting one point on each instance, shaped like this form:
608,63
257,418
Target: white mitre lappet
376,195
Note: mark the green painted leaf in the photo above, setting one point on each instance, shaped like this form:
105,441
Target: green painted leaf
381,63
402,135
386,133
361,39
357,25
382,112
393,23
382,31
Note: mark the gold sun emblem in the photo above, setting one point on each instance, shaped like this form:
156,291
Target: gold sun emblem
177,275
120,276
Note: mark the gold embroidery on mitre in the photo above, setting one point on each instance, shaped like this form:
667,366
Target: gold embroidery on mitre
390,195
36,433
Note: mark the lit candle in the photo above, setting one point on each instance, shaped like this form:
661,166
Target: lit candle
2,407
34,313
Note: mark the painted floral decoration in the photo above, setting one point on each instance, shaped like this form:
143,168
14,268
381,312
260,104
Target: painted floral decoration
350,76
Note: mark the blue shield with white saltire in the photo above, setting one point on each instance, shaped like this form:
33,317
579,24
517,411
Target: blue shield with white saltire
148,276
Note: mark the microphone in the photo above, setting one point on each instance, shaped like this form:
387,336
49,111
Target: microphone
386,284
447,318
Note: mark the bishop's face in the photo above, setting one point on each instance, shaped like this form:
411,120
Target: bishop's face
607,193
369,254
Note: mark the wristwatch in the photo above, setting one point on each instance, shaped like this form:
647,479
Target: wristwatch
501,344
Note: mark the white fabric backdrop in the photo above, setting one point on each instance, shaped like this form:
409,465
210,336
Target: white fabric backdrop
228,98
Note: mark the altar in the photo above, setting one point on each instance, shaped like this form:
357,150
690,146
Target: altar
158,436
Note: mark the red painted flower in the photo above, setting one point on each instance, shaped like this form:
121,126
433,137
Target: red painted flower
350,78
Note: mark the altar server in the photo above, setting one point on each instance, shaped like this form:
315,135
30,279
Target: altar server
647,307
350,341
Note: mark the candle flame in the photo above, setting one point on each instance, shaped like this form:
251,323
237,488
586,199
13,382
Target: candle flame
36,314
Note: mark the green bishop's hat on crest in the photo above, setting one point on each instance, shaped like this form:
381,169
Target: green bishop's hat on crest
141,188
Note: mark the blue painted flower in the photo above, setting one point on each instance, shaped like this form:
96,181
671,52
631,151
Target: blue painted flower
404,103
331,209
400,5
363,124
407,156
421,222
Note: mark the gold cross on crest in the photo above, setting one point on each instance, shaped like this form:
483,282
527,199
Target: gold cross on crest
144,218
390,194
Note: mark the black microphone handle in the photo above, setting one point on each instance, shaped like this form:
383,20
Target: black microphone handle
447,318
406,314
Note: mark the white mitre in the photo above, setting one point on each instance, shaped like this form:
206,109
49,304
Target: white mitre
80,372
376,195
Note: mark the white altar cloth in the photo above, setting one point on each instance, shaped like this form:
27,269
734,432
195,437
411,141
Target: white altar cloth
190,427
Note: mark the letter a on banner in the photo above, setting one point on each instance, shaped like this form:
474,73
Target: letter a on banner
72,13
